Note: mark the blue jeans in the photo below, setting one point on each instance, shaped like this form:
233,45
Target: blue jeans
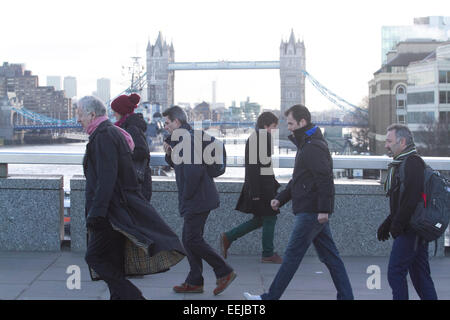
307,230
409,255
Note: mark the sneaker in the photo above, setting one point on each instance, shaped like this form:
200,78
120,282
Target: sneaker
224,282
188,288
272,259
224,245
249,296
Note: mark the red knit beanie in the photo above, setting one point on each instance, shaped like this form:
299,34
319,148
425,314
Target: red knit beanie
125,104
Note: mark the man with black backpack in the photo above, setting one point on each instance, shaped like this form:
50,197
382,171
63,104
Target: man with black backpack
197,195
409,251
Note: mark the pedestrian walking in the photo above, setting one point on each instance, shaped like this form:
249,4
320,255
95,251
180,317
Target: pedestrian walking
260,187
197,196
409,253
311,190
126,236
136,126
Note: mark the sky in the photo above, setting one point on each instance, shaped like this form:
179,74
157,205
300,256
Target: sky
96,39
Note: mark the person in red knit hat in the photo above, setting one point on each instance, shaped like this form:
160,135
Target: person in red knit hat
134,123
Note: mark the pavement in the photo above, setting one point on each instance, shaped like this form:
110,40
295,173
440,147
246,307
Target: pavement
46,275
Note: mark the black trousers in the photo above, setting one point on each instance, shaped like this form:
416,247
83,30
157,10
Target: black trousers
197,249
105,254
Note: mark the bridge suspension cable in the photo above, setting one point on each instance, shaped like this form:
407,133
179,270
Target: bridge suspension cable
334,98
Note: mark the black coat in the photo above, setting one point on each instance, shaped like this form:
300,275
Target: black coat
112,192
197,192
403,204
311,187
258,184
136,126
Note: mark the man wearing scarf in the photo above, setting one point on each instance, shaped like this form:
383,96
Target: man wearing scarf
126,236
409,253
311,190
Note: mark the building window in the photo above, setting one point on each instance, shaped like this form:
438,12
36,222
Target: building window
442,96
420,117
420,98
400,104
444,76
400,90
401,119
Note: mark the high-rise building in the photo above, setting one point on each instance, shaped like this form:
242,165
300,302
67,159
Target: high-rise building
433,27
70,86
104,89
54,81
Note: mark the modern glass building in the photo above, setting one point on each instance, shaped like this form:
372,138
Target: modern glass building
434,27
428,90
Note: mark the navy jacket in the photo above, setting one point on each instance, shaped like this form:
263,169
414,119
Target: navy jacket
197,192
311,187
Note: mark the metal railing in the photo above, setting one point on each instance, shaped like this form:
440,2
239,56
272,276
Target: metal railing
158,159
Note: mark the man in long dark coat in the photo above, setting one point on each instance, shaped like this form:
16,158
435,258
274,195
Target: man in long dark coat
126,236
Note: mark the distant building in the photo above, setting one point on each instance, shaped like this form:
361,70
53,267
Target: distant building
70,86
160,80
43,100
389,98
292,80
104,89
428,91
54,81
434,27
202,111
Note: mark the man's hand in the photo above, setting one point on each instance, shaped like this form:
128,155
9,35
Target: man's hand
275,204
322,218
167,148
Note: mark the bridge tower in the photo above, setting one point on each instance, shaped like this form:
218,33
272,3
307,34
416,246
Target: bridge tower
160,80
292,80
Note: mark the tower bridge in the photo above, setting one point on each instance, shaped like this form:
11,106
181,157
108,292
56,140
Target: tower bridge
159,80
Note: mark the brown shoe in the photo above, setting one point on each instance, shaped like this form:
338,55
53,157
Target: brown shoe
188,288
224,282
272,259
224,245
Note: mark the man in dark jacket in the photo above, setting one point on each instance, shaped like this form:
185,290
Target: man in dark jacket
311,190
126,236
408,253
197,196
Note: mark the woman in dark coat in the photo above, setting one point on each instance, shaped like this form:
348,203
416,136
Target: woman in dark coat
126,236
136,126
259,188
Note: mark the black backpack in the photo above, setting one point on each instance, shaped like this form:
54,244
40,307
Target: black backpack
214,169
432,214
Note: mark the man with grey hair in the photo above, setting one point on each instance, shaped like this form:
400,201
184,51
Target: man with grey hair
409,252
126,236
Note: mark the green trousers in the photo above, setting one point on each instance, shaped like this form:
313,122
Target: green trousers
268,225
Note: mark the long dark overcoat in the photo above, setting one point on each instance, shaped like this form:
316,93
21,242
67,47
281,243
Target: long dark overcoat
112,191
257,183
